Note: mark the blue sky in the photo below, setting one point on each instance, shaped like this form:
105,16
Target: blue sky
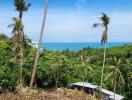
71,20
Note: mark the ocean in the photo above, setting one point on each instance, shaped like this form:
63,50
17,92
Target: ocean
77,46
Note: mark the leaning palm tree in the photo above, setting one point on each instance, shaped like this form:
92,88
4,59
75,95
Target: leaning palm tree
104,23
115,74
39,43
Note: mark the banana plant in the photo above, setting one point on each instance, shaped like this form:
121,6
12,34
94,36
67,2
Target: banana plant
115,74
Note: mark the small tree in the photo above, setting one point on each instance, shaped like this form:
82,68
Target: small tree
84,62
115,74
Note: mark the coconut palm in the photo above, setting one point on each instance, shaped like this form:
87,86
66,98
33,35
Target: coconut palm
39,43
115,74
16,32
21,7
104,23
17,26
17,42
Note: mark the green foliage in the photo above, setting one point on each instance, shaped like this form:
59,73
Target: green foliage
3,37
8,68
21,5
62,68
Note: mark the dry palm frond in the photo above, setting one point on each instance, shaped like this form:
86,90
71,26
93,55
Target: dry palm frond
104,38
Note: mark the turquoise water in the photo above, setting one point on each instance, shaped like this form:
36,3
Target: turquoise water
77,46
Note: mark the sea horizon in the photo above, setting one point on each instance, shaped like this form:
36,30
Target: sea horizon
78,45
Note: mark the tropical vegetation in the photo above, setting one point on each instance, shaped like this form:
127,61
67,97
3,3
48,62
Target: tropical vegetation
61,68
19,61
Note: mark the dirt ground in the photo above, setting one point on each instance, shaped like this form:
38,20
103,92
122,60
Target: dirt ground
59,94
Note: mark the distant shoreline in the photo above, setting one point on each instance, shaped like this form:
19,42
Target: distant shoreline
78,46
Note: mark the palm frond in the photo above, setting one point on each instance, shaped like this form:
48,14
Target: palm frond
15,19
119,62
90,68
104,38
11,25
96,25
121,77
27,39
27,6
21,5
105,19
108,76
17,26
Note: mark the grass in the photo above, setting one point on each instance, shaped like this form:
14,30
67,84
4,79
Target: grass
59,94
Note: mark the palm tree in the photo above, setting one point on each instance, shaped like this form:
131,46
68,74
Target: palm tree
21,7
115,74
104,23
17,42
16,32
17,26
38,49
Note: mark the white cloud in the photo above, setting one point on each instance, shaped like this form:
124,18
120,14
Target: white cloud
71,25
120,27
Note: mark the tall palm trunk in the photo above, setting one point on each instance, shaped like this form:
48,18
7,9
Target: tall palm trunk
21,55
104,41
102,72
38,49
21,68
20,14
